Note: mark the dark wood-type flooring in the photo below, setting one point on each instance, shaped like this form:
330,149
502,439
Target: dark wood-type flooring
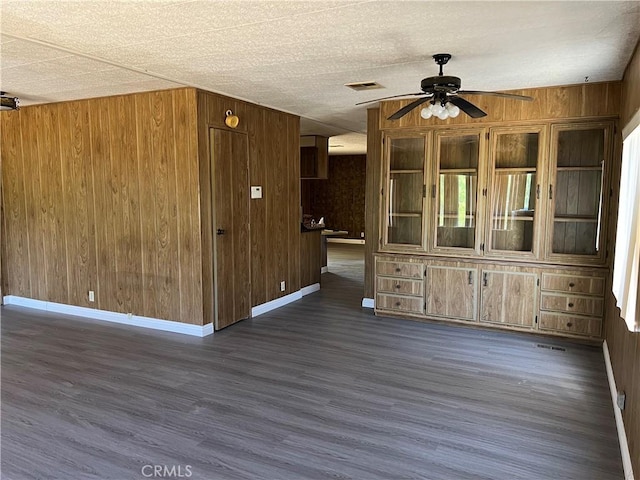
318,389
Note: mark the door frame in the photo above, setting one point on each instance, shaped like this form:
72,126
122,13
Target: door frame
214,239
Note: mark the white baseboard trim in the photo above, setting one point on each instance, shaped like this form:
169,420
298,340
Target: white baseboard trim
324,270
115,317
310,289
368,303
277,303
346,240
282,301
622,434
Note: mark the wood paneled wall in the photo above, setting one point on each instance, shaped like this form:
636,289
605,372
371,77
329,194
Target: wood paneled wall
372,196
570,101
102,195
274,164
114,195
339,198
624,346
631,88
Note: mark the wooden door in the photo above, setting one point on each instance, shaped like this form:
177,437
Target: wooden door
230,184
451,292
508,298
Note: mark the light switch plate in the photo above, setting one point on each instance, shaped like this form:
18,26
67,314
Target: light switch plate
256,191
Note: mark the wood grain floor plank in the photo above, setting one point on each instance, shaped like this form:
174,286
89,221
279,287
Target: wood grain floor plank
317,389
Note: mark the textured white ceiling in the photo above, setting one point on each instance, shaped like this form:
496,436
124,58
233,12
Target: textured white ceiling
296,56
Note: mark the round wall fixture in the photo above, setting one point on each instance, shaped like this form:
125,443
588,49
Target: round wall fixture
231,120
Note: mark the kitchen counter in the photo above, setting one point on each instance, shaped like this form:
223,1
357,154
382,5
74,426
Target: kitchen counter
310,256
323,252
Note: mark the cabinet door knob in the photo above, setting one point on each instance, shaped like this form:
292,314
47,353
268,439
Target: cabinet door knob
570,305
569,324
571,284
398,286
220,231
397,304
398,269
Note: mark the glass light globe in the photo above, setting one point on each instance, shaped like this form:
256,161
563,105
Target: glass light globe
443,115
436,108
426,113
453,110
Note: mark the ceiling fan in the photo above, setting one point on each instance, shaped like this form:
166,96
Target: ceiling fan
7,102
443,93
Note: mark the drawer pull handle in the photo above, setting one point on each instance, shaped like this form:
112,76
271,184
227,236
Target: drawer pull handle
398,286
398,269
397,304
571,284
569,324
485,279
570,305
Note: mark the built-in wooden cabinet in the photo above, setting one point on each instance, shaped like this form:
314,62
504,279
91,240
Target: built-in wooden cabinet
572,302
404,193
400,285
452,290
578,167
528,297
508,296
485,217
514,192
454,221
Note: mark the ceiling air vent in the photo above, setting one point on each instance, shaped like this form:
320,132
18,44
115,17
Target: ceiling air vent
363,85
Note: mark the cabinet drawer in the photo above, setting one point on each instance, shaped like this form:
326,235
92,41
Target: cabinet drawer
572,304
401,286
573,283
560,322
400,304
399,269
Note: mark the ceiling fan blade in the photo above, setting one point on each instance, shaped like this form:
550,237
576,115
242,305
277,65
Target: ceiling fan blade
495,94
393,96
467,107
407,108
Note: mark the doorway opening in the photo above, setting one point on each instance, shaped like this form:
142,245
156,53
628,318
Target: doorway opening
344,279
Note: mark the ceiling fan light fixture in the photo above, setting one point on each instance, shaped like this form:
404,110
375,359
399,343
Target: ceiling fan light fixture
436,108
426,113
452,109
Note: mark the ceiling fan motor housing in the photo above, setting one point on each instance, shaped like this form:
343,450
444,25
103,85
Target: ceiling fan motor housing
442,83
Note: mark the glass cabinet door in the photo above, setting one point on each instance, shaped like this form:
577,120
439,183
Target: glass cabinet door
515,187
576,190
455,192
404,199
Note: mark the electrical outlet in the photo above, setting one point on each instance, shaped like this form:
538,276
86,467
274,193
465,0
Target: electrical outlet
361,234
283,286
92,296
